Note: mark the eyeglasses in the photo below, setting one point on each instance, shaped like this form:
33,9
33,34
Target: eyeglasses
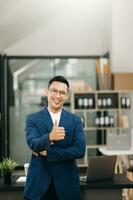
55,92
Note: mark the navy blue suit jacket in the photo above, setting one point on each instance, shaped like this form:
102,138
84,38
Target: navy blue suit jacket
59,163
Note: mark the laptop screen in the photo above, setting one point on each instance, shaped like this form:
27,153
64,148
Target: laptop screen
100,168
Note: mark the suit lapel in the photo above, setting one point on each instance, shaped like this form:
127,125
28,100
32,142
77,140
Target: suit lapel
47,119
63,118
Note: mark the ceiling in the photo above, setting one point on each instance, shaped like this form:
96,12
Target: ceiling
22,18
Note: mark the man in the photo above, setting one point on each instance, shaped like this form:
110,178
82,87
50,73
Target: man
56,138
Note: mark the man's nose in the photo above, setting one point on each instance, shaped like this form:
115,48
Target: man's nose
58,94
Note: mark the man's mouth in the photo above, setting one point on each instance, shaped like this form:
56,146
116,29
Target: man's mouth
56,101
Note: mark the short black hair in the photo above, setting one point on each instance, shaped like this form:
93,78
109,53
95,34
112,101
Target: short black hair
58,79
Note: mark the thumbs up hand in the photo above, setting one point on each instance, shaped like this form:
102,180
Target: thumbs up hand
57,133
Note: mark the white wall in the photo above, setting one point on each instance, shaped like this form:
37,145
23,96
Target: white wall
79,27
74,27
122,36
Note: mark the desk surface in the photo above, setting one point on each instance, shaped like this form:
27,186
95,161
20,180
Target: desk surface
120,181
106,151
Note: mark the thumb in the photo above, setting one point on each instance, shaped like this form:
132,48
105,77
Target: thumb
56,123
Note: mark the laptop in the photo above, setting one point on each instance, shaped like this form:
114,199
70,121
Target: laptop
100,168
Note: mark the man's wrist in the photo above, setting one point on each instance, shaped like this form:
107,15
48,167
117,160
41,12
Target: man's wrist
50,137
50,140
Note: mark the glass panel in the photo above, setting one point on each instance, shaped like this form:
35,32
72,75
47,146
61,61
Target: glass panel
30,79
80,72
30,84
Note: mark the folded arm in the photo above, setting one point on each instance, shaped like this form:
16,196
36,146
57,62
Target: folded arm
74,151
41,145
36,142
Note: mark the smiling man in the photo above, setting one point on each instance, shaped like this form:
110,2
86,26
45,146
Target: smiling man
56,138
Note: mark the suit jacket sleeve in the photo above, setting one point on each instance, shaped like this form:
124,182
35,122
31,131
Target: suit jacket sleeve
35,140
75,151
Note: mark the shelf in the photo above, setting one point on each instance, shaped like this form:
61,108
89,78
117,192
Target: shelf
87,106
96,109
126,109
103,128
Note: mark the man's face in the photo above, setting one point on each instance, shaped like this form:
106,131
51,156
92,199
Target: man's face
57,95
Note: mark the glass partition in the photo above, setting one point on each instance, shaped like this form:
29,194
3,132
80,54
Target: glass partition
30,78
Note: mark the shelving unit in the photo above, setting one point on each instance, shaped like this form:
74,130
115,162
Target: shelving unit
104,105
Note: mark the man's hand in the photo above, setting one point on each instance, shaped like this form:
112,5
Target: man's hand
43,153
35,154
58,133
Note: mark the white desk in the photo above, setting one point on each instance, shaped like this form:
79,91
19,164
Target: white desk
107,151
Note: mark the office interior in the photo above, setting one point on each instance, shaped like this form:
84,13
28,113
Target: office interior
90,43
